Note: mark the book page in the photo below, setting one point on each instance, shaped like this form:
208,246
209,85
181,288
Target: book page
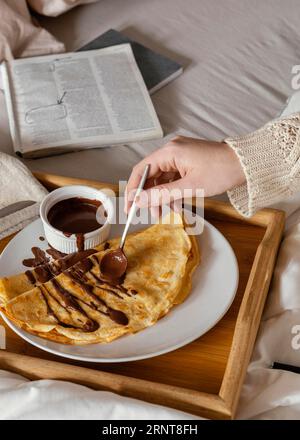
96,97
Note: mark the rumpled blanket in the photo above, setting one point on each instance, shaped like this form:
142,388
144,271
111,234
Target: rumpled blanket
53,8
20,35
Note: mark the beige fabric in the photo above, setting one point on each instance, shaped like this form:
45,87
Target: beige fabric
20,36
270,160
17,186
55,7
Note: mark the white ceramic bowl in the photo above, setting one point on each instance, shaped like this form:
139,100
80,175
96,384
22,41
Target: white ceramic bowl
68,244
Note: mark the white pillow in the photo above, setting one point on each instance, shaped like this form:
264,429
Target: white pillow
55,7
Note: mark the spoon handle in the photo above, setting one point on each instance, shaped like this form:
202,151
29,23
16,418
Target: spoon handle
133,206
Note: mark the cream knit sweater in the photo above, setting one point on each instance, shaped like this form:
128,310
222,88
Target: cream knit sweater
270,158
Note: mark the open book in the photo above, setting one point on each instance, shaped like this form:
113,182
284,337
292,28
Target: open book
65,102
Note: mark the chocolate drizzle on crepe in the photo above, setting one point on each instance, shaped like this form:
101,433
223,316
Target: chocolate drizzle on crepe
78,273
68,303
55,253
30,276
47,271
79,268
40,257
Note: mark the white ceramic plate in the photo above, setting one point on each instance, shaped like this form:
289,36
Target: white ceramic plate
214,286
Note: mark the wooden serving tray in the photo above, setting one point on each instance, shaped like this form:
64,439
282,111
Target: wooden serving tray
205,376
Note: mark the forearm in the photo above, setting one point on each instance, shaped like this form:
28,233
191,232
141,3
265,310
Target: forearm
270,158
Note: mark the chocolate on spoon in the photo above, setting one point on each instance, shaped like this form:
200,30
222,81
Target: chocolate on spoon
114,263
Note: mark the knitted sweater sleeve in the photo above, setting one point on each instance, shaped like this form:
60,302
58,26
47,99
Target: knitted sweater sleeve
270,158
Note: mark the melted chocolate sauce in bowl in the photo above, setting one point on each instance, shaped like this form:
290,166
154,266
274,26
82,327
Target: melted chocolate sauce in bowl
74,215
76,218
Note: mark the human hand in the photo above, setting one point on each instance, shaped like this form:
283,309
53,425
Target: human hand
185,163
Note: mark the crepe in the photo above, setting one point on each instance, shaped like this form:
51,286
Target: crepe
79,307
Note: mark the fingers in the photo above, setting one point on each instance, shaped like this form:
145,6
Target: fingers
135,178
163,179
155,212
163,194
160,164
176,205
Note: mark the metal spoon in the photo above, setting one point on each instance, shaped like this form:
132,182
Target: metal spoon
114,263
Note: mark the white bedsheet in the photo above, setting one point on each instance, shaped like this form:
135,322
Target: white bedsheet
21,399
275,394
238,57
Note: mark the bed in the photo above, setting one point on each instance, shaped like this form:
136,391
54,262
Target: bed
237,57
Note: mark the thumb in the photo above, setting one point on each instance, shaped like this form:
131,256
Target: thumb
163,194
